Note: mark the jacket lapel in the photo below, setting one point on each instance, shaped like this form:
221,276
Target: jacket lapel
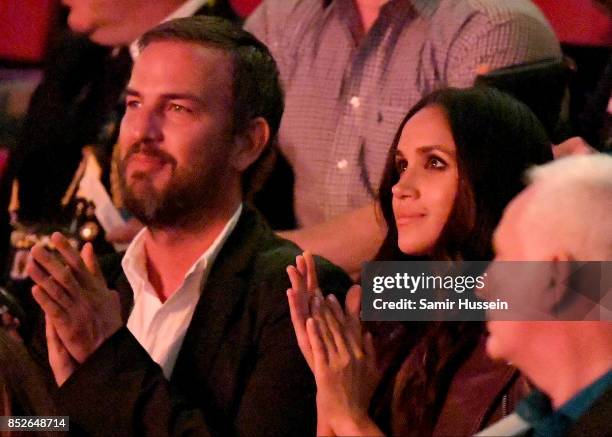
126,297
116,280
223,291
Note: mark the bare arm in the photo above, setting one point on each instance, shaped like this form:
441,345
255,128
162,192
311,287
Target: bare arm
347,240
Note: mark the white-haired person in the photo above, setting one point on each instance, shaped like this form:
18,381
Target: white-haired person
563,215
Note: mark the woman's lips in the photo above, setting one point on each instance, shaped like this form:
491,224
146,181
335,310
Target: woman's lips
410,218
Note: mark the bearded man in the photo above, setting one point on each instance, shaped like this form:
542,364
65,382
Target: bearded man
202,287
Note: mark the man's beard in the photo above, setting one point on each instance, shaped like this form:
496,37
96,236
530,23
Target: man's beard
183,201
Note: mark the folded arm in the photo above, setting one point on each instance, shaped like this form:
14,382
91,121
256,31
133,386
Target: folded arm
347,240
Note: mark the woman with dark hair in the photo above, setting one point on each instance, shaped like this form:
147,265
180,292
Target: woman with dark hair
23,389
457,160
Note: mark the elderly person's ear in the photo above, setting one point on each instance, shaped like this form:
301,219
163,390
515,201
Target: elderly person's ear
572,146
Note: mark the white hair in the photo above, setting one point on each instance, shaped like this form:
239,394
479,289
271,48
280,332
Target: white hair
595,169
572,199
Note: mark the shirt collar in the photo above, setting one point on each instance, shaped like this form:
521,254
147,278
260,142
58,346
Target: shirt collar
537,406
134,261
421,7
534,407
581,402
399,12
187,9
209,256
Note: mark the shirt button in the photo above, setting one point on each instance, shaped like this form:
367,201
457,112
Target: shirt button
355,102
342,164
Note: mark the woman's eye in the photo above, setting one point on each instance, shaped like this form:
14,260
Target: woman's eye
436,163
401,165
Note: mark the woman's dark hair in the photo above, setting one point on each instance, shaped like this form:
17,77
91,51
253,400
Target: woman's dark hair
497,138
23,389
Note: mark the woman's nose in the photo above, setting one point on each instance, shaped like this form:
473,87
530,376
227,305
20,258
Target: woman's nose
406,186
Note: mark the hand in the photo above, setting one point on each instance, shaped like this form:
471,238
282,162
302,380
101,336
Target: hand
335,239
344,365
72,292
62,363
304,286
572,146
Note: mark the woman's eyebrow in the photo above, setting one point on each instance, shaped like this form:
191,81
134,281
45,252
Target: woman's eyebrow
398,153
439,147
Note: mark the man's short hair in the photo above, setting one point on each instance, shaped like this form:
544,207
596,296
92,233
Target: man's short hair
256,88
573,199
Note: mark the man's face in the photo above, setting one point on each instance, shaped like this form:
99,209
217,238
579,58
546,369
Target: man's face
176,136
512,243
107,22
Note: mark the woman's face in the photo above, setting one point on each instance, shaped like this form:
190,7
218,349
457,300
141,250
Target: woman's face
425,193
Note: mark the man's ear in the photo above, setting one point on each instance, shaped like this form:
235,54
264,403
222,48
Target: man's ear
559,285
250,143
548,285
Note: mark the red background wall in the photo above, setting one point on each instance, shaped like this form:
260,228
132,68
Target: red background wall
24,27
578,22
244,7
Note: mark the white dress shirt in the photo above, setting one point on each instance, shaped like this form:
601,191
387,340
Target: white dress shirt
158,326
